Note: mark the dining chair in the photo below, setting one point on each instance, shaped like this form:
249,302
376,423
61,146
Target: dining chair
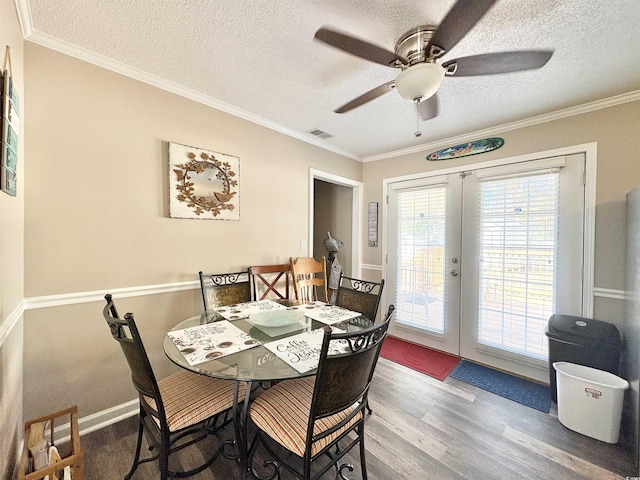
176,411
267,279
220,289
309,279
321,415
361,296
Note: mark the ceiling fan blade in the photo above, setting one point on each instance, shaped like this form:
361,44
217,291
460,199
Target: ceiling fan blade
359,48
428,108
456,24
499,62
367,97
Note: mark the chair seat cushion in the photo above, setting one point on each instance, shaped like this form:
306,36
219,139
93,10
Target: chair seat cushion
190,398
282,412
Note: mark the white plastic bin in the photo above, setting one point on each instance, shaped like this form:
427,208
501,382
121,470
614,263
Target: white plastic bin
590,400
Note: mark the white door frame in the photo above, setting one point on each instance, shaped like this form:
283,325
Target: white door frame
590,152
356,214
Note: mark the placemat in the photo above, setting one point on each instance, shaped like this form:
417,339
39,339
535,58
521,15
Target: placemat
210,341
243,310
326,312
302,351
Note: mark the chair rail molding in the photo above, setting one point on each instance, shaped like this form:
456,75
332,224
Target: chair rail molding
7,325
371,266
610,293
46,301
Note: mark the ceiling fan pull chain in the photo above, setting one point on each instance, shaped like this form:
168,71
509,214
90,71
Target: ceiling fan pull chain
417,133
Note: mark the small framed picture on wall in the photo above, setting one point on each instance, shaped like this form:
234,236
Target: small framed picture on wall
10,123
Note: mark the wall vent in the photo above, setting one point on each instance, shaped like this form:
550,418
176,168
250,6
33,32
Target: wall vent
319,133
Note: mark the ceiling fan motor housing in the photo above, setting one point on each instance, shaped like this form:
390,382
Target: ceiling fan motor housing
413,44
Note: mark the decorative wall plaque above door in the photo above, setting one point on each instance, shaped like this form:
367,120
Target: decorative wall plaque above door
203,184
465,149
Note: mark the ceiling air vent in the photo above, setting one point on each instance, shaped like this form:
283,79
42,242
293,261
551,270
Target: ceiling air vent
319,133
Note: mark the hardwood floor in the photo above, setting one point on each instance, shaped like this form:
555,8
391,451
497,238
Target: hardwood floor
421,428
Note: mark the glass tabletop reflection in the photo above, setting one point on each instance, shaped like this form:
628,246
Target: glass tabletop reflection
256,363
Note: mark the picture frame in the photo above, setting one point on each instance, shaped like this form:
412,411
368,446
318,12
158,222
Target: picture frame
10,125
373,224
203,184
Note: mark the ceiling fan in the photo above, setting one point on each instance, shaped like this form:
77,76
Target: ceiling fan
417,54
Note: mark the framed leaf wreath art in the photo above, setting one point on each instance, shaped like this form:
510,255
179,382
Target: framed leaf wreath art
203,184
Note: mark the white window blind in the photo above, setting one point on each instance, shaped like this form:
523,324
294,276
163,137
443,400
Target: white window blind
420,289
518,231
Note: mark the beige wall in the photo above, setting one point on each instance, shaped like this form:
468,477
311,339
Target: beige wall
96,215
615,130
11,267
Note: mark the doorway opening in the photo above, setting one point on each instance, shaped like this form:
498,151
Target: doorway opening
335,205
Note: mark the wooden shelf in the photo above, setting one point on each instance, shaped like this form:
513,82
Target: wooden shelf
74,457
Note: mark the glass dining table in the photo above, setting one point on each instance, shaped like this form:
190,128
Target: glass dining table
267,355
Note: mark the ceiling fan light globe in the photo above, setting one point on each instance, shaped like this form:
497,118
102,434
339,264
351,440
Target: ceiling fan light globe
420,81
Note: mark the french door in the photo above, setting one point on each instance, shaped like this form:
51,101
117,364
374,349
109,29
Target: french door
424,245
478,260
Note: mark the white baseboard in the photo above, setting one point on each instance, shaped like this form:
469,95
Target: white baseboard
99,420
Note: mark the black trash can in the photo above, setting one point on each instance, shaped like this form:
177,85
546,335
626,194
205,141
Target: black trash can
583,341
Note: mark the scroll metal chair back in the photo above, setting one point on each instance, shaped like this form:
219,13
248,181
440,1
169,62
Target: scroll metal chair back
267,280
171,420
310,279
312,415
360,296
220,289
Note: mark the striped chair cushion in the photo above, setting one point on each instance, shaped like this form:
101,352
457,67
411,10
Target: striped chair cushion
190,398
282,412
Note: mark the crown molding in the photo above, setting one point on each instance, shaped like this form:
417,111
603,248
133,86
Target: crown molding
26,22
24,17
527,122
67,48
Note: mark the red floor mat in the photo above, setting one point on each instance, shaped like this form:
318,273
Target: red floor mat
424,360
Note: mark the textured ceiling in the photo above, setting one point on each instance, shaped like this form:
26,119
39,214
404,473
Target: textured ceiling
258,59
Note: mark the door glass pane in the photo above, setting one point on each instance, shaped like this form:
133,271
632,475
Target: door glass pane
420,293
518,238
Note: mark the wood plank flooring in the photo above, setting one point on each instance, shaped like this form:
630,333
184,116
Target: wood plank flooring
421,428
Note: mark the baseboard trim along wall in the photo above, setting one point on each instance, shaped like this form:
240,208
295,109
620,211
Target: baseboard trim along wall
99,420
